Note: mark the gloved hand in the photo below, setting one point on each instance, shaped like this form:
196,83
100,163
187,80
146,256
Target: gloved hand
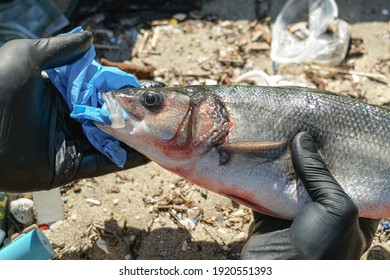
41,147
327,228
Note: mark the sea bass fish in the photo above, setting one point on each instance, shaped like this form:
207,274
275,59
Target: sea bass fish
235,141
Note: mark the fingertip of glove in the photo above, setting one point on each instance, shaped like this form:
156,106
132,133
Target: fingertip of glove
84,37
303,141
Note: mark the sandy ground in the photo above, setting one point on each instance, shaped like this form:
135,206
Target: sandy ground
140,212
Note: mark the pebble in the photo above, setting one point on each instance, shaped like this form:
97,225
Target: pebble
115,189
149,199
220,219
23,210
132,238
93,201
115,201
239,213
240,236
73,249
225,248
184,247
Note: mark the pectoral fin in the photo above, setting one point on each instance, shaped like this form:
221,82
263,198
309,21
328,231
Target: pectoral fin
257,151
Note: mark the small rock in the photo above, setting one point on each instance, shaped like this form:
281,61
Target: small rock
132,238
115,201
220,219
73,249
240,236
115,189
31,227
225,248
73,217
239,213
77,189
23,210
149,199
65,199
184,247
93,201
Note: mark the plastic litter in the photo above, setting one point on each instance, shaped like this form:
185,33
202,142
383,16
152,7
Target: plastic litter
102,244
30,19
48,206
261,78
188,224
322,38
385,225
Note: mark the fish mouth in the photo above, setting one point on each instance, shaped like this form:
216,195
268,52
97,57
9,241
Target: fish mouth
119,117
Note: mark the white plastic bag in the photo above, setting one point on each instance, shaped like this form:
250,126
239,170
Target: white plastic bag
322,39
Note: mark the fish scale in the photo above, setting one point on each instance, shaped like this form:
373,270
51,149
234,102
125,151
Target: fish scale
353,138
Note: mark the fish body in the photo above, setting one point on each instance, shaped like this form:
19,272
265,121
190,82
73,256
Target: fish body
235,141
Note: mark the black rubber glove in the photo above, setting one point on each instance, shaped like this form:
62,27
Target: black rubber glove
41,147
327,228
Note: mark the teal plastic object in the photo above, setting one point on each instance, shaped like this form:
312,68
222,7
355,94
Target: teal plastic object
32,245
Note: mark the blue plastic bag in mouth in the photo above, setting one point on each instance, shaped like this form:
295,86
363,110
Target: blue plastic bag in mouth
81,83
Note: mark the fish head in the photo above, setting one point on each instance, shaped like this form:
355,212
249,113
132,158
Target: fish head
168,125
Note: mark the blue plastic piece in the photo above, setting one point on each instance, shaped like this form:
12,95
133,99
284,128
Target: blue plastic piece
385,225
81,83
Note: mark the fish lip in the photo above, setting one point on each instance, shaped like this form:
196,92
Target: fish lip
120,118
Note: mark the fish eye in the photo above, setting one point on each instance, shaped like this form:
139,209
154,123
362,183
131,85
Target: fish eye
152,100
